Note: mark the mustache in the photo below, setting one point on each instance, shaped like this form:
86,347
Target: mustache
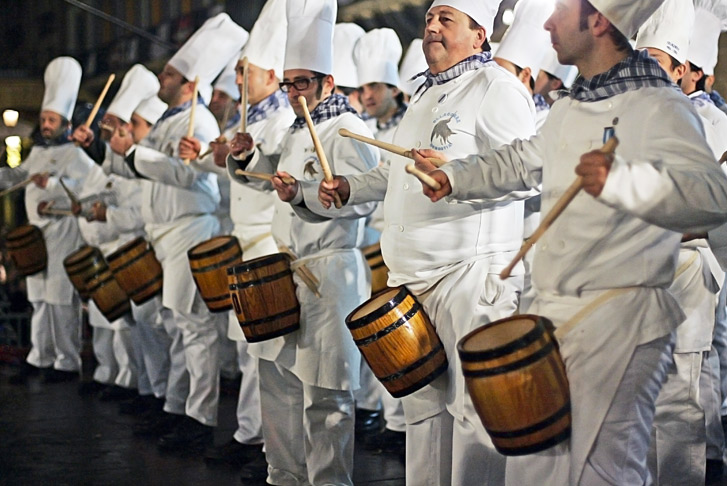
429,38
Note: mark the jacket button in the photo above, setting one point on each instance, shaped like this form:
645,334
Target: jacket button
401,229
406,187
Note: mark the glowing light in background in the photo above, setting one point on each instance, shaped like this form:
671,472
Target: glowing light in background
12,148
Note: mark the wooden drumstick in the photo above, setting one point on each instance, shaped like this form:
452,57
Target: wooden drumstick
303,272
100,99
389,147
220,139
560,205
425,178
243,97
68,192
328,176
190,129
263,176
17,186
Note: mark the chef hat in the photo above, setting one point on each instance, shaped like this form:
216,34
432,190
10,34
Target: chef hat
205,91
627,15
62,79
412,64
526,40
138,84
345,36
481,11
151,109
309,44
377,56
266,46
566,74
709,21
226,81
669,29
208,50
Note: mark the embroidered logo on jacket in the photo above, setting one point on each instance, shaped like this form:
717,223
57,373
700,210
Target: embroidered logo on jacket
442,132
310,170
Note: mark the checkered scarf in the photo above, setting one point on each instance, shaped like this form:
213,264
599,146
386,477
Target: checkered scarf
701,99
394,120
177,109
333,106
717,99
473,62
540,103
637,71
267,106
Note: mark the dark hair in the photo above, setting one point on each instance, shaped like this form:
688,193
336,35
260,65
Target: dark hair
320,76
346,90
474,26
399,97
620,41
674,63
702,80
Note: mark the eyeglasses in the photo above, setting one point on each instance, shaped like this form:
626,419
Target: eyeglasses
300,84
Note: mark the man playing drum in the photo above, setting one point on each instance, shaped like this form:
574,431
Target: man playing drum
309,433
449,255
602,271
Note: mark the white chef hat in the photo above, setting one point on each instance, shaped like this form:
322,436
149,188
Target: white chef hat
207,51
62,79
627,15
481,11
227,80
345,36
151,108
412,64
377,56
266,46
309,44
205,91
526,40
669,29
138,84
709,21
566,74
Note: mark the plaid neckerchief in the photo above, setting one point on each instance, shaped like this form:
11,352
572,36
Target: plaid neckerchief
61,139
333,106
267,106
473,62
700,98
395,118
177,109
540,103
638,70
717,98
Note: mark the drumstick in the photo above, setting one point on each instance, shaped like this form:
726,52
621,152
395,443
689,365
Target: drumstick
425,178
100,99
560,205
71,196
243,98
58,212
319,150
303,272
190,129
263,176
220,139
20,185
389,147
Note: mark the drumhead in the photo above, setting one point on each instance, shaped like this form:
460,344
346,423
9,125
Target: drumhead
213,246
80,255
498,333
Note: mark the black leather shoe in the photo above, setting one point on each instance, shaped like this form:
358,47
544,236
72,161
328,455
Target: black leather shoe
141,404
52,375
234,453
388,441
188,436
367,421
714,471
157,424
115,393
255,472
87,388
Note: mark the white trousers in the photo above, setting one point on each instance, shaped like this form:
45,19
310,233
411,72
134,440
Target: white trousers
151,344
710,399
201,334
178,379
618,456
55,336
368,397
249,419
677,449
308,430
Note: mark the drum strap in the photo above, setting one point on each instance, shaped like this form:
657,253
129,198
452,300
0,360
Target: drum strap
561,331
255,241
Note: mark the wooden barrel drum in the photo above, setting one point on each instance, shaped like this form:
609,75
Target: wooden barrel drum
518,384
82,265
398,341
379,272
263,296
26,248
137,270
108,295
209,262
